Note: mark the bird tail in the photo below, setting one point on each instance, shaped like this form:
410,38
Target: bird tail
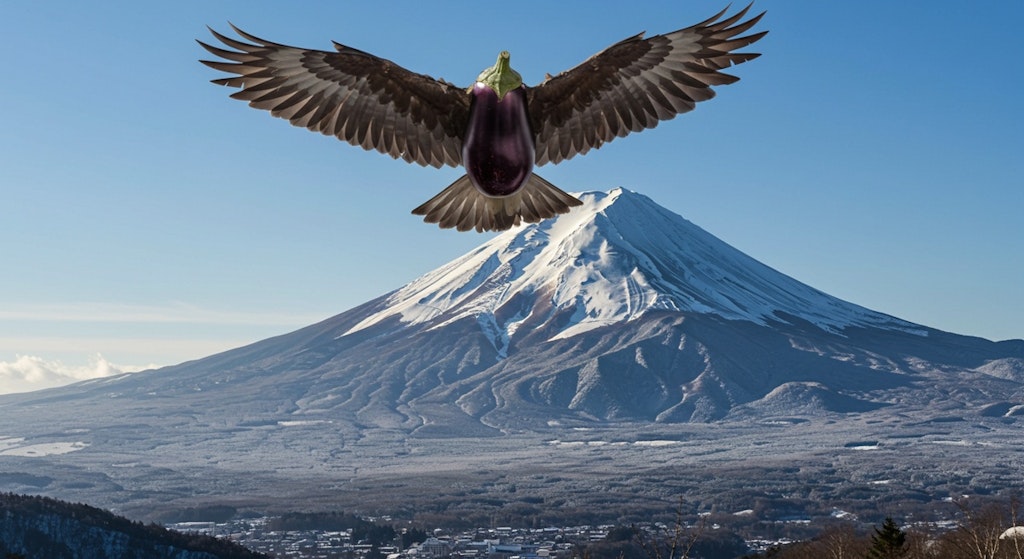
464,207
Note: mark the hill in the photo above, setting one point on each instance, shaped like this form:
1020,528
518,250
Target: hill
42,527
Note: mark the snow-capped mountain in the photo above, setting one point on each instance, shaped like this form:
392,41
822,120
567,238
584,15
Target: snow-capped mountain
615,259
618,310
619,330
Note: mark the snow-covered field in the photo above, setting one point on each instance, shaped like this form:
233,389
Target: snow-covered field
17,446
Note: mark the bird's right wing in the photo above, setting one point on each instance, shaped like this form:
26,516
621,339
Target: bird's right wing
634,84
359,98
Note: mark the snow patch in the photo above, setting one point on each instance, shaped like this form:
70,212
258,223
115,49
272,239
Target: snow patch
13,446
951,442
656,443
10,442
600,443
1013,532
863,445
302,422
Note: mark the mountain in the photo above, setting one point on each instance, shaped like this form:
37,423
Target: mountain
620,310
615,260
618,326
41,527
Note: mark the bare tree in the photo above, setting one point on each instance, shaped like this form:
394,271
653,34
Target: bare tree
839,541
1016,536
923,544
977,536
842,542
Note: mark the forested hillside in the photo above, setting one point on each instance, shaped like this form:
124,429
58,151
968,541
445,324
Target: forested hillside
41,527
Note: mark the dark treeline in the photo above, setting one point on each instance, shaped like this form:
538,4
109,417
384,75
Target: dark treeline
363,531
42,527
630,542
980,533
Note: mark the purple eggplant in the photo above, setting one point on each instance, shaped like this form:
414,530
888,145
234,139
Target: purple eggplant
498,150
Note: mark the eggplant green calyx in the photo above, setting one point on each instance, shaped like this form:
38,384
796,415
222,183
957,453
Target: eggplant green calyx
501,77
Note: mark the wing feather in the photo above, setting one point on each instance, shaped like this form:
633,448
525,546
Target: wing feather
636,83
463,207
359,98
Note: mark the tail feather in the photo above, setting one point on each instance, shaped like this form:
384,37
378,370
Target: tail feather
464,207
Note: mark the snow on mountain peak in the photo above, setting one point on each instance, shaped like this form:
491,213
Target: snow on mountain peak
611,260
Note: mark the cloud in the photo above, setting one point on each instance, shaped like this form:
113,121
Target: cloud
34,338
27,373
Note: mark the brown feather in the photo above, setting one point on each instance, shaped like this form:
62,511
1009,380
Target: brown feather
463,207
362,99
634,84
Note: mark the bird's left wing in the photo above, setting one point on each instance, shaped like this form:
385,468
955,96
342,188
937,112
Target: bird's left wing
634,84
359,98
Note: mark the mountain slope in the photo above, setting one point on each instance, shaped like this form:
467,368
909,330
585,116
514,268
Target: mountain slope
619,310
615,259
614,343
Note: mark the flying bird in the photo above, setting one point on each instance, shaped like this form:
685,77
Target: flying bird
499,128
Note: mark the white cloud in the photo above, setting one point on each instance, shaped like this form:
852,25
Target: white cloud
42,345
27,373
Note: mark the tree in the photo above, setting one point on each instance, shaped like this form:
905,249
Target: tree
411,536
977,536
670,543
888,542
837,541
841,542
1015,537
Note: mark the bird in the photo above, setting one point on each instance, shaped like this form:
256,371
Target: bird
498,129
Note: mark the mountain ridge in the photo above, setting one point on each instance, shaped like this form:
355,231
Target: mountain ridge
620,282
611,268
570,344
40,527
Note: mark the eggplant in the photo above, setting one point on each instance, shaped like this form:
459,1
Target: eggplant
498,149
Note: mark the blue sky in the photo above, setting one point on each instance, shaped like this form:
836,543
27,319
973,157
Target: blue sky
874,152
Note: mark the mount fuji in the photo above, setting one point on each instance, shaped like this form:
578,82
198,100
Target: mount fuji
615,260
618,333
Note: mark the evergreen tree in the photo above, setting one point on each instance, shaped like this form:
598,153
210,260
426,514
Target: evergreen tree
888,542
411,536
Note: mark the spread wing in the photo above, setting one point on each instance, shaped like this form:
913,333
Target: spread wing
634,84
359,98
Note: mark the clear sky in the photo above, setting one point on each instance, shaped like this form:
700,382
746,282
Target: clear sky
875,151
